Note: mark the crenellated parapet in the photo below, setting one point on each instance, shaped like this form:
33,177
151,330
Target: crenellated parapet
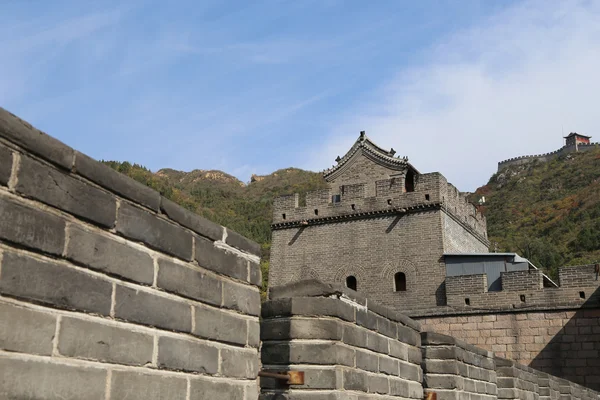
347,202
522,160
525,289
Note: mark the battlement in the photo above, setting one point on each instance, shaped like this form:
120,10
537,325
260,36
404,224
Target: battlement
525,288
431,191
522,160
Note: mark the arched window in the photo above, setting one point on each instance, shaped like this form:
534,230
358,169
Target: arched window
400,282
351,282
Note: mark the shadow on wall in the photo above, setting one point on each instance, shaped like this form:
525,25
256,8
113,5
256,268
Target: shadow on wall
574,352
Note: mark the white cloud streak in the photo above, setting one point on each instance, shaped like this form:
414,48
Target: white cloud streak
504,88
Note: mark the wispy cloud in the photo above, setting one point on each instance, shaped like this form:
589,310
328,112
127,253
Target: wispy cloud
503,88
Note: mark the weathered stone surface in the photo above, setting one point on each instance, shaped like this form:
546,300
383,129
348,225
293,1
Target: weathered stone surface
53,283
140,225
198,224
239,363
299,328
213,323
116,182
253,333
31,228
32,379
23,134
378,384
312,306
367,361
307,353
238,241
355,380
133,385
220,261
205,389
63,191
6,160
26,331
107,255
355,335
151,309
255,273
189,282
242,298
389,366
96,341
187,355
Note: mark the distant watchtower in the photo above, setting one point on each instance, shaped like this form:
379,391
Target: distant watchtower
381,228
575,138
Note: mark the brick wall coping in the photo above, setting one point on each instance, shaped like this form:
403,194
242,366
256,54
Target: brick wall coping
22,134
316,288
447,311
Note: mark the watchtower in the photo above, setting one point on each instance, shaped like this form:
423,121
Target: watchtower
575,138
381,227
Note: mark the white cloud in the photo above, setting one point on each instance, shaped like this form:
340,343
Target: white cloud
503,88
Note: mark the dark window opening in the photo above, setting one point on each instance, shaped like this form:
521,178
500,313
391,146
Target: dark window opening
336,198
582,295
522,297
283,216
351,282
409,182
316,212
353,206
389,202
427,197
400,282
467,301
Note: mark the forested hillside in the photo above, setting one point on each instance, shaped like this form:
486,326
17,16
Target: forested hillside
547,212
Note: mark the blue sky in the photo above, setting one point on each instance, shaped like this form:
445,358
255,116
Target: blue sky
254,86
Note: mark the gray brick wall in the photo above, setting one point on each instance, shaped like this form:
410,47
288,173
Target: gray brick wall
108,291
345,347
456,370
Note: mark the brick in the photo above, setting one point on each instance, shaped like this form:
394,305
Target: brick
239,363
378,384
26,331
65,192
6,160
389,366
367,361
150,309
242,298
23,134
33,379
195,222
217,324
96,341
133,385
137,224
253,333
204,389
355,335
220,261
297,328
255,274
187,355
238,241
189,282
307,353
31,228
53,283
107,255
116,182
355,380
